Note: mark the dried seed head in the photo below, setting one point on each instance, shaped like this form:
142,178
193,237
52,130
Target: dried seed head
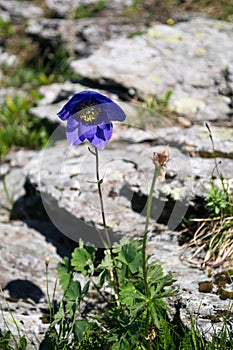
161,158
47,261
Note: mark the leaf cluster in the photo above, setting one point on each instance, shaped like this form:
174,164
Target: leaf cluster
118,280
6,340
218,201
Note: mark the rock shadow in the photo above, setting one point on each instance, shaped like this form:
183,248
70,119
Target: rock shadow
59,226
29,209
24,289
164,210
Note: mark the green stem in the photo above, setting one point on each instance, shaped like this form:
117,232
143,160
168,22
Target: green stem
99,182
144,242
215,161
47,292
9,200
113,273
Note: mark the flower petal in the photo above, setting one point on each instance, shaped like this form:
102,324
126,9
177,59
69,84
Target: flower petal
114,112
69,108
102,136
89,115
77,132
82,100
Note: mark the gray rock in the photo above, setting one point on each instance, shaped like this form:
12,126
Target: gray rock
63,8
64,176
89,33
20,9
196,141
12,189
23,280
6,58
203,306
181,58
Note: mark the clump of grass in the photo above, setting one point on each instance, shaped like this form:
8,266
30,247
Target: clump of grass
214,235
159,104
152,107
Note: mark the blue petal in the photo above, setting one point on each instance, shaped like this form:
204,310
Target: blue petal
102,136
69,108
114,112
77,132
109,110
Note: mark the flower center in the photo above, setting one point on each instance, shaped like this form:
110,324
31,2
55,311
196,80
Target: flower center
89,113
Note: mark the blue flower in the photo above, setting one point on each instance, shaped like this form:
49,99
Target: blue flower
89,115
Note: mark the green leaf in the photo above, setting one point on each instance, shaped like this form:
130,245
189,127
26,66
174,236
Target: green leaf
131,256
58,317
64,274
73,291
103,276
83,259
22,343
85,289
80,327
129,295
5,340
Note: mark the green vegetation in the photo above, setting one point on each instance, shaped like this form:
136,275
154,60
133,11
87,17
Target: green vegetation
34,66
214,233
90,10
159,104
6,29
121,324
17,127
128,314
6,340
41,69
144,10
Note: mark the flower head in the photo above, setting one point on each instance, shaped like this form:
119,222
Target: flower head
89,115
160,160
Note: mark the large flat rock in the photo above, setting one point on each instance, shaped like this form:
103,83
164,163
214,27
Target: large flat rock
185,58
65,177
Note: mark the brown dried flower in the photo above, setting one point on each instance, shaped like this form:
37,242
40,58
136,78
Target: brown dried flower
160,160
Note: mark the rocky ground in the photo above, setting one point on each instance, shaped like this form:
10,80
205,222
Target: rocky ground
54,204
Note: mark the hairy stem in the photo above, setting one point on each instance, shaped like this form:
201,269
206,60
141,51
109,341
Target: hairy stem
99,183
113,274
144,242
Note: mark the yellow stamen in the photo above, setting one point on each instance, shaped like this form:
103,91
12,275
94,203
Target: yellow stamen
89,114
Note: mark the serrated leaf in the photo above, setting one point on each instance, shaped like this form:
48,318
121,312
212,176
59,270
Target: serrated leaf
83,259
130,256
129,295
73,291
64,275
